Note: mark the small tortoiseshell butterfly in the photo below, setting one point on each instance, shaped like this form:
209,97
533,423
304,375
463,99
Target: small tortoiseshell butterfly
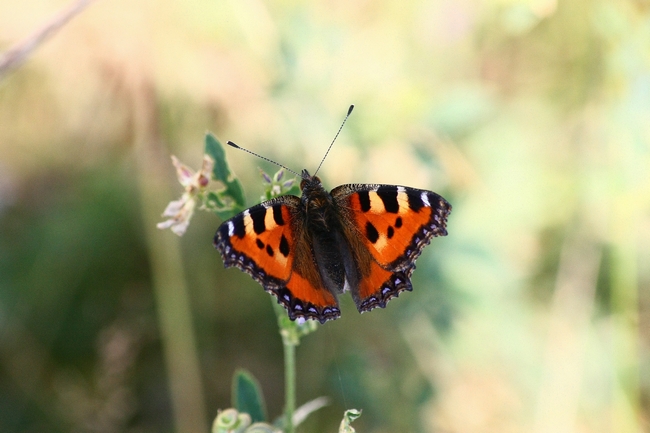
307,250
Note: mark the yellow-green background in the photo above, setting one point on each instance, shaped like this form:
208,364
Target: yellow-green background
531,117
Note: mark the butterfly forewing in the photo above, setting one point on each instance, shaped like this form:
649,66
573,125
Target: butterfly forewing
265,241
258,241
395,222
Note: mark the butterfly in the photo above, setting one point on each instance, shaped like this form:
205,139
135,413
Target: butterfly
361,238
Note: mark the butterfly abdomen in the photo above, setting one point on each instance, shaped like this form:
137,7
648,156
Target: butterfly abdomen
329,249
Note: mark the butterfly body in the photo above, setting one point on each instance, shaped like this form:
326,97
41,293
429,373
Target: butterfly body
307,250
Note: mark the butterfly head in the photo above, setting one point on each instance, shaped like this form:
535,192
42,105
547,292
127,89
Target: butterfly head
308,180
311,186
314,196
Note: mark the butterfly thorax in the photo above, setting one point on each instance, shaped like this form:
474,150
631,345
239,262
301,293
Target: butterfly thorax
330,250
317,204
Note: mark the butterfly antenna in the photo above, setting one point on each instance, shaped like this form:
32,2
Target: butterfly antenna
230,143
335,137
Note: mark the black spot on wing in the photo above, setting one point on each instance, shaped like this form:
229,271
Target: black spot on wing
238,225
415,201
398,222
284,246
259,243
269,250
371,232
277,215
388,194
258,214
391,232
364,199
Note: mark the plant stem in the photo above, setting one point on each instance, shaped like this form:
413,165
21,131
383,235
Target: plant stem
290,340
15,56
291,333
169,286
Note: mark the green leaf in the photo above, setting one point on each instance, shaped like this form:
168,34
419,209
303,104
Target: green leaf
226,214
221,172
216,204
214,148
214,201
247,395
236,191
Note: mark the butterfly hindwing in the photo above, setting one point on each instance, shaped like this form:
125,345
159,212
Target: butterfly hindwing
267,241
393,224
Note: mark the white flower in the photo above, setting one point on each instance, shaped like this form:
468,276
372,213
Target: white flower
194,181
180,211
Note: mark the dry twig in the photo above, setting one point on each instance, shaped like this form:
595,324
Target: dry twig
16,55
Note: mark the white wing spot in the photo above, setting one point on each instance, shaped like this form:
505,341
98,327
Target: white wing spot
425,199
231,229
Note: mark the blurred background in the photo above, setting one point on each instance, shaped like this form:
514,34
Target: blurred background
532,117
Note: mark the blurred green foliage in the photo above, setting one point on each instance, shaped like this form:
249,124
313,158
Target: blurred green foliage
531,117
247,396
221,172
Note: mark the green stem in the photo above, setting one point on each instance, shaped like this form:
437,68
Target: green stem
290,340
291,333
170,288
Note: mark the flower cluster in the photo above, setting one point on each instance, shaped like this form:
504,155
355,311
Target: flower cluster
180,211
274,187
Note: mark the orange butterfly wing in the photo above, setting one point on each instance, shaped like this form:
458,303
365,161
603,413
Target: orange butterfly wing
394,224
265,241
